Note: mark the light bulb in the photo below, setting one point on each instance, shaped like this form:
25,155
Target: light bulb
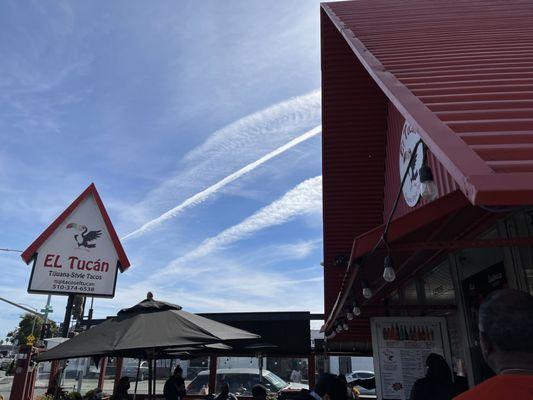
349,316
345,326
356,311
339,328
367,292
388,272
428,188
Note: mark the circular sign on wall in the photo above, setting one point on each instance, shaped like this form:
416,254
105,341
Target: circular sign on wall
408,141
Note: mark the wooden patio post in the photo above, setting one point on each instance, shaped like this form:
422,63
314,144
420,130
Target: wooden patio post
101,375
118,372
212,374
311,368
53,379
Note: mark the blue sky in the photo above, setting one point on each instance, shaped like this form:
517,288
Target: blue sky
199,122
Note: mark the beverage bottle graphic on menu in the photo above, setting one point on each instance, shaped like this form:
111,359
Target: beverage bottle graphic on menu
408,332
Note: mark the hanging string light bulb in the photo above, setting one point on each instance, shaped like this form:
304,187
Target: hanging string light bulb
356,310
388,272
331,335
367,292
428,188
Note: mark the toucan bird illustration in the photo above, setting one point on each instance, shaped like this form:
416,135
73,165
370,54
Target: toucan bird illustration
86,236
414,171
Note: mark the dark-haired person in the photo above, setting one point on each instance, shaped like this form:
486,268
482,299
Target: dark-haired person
174,388
437,384
225,394
259,392
506,338
122,389
330,387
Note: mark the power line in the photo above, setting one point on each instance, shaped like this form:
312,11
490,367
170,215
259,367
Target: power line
12,250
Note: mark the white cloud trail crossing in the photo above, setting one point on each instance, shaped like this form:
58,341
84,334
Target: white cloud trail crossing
206,193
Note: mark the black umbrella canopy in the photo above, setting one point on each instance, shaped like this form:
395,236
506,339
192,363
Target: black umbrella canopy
144,330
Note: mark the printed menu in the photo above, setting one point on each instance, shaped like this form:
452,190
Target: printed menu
401,346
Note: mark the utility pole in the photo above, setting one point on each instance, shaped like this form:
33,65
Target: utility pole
47,309
68,314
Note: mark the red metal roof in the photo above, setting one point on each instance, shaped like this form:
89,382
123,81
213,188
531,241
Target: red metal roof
462,73
124,263
353,147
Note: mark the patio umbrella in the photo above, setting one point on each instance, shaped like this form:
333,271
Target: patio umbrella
146,330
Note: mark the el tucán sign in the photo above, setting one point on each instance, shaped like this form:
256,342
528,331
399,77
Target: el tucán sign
79,253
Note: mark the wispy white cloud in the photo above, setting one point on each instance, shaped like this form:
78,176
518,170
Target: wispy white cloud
234,148
298,250
206,193
228,285
280,120
305,198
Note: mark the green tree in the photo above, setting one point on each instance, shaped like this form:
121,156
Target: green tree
25,327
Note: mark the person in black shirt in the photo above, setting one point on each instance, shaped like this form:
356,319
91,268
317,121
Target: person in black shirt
175,386
437,384
225,393
259,392
122,389
330,387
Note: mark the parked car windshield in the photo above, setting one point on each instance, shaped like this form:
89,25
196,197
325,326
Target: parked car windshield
276,381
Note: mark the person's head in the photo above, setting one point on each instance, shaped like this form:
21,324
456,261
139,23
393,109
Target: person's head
506,327
330,387
343,379
438,369
178,371
259,392
224,388
124,382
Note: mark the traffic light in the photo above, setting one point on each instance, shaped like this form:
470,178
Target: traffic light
45,332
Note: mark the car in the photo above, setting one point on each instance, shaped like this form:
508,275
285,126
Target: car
130,369
5,362
241,381
352,376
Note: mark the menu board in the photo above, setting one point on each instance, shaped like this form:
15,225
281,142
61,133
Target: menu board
401,346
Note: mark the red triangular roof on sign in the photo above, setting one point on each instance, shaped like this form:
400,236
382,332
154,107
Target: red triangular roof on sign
124,263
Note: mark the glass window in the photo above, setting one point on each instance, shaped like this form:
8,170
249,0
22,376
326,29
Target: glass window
438,285
472,261
410,294
524,226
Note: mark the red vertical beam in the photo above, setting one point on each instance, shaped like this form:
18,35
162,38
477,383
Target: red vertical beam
311,371
101,376
53,380
118,372
212,374
19,387
31,376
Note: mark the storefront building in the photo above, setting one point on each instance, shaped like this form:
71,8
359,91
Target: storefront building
433,98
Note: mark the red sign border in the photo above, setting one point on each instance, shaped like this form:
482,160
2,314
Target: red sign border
123,262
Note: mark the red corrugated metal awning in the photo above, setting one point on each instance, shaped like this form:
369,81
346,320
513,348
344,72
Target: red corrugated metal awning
461,72
419,220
